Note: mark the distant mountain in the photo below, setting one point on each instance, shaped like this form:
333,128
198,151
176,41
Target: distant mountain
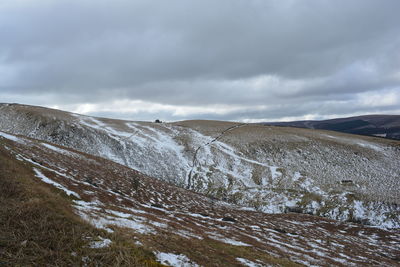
387,126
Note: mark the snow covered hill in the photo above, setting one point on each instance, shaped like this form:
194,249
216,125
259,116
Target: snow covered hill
264,168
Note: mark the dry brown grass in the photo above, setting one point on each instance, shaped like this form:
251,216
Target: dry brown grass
209,252
39,228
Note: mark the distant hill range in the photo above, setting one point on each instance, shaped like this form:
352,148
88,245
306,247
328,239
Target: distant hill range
387,126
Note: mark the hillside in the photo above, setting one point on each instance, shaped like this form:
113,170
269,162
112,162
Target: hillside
40,227
65,207
386,126
264,168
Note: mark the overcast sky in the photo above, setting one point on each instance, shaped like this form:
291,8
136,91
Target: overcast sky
245,60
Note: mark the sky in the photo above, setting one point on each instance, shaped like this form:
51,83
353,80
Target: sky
238,60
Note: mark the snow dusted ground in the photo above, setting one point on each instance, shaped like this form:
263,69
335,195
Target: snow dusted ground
249,263
101,243
11,137
113,197
42,177
269,169
175,260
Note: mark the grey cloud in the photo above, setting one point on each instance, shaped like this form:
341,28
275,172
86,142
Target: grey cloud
200,52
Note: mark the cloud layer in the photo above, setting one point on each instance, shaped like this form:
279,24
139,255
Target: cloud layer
230,59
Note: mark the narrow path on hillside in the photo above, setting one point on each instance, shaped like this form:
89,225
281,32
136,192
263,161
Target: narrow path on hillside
195,162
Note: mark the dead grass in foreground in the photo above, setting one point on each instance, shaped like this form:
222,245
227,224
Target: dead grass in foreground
38,226
209,252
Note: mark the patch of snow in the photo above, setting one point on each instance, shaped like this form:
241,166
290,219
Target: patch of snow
188,235
40,175
175,260
11,137
119,214
228,241
369,145
88,205
247,209
380,216
296,176
230,151
155,208
87,211
138,243
136,210
291,203
158,224
358,209
274,172
249,263
359,143
58,150
102,243
314,205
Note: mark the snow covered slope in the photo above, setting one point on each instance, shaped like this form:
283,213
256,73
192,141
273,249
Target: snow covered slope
271,169
184,228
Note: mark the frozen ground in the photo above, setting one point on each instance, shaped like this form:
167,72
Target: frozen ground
174,260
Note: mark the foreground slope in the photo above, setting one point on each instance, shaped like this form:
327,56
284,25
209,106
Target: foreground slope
39,226
181,227
270,169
